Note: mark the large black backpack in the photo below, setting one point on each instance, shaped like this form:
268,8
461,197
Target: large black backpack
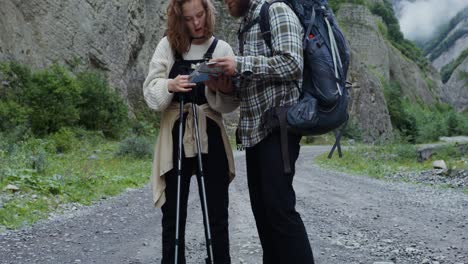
323,102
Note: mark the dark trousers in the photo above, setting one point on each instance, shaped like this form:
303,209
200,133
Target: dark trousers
281,230
216,171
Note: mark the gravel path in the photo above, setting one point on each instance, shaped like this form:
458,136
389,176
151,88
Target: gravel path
350,219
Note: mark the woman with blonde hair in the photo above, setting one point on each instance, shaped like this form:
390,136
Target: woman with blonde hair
189,41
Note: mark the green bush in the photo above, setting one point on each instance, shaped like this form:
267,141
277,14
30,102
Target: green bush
143,128
352,130
64,140
382,28
53,97
403,121
431,129
457,123
13,115
417,123
137,147
15,79
101,107
435,121
385,11
44,101
404,151
38,161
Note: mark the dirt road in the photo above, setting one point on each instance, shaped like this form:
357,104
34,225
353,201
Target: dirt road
350,219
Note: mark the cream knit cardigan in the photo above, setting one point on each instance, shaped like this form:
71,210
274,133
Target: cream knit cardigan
158,97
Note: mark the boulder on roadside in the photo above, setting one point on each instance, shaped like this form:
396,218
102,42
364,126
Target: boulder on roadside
12,188
439,164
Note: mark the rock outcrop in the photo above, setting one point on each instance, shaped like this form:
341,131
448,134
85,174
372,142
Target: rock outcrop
378,58
119,37
456,89
115,37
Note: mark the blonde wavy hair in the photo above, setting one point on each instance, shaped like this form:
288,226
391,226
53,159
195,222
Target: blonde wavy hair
178,33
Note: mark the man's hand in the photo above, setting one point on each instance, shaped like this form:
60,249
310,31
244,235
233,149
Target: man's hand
228,64
221,83
180,84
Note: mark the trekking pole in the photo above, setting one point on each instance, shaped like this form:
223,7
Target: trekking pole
179,175
202,191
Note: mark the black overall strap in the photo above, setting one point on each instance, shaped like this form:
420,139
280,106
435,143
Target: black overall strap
207,56
209,53
177,56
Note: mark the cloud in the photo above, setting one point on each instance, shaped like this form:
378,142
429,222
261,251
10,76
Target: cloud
420,19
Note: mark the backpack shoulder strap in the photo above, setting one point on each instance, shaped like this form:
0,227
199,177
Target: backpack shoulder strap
241,32
264,21
209,53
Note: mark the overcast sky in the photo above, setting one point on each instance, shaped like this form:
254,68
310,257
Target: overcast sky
420,19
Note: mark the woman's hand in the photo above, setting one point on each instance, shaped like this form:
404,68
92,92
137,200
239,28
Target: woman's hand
180,84
221,83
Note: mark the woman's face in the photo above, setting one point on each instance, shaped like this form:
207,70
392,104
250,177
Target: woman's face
195,18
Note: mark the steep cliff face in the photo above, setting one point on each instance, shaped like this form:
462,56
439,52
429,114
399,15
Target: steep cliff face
447,50
456,89
449,42
375,60
416,84
362,31
452,52
368,104
116,37
369,59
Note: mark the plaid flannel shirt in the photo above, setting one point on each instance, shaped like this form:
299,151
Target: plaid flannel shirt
267,78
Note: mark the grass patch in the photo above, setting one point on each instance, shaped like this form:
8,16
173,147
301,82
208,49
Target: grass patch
88,172
24,211
384,160
325,139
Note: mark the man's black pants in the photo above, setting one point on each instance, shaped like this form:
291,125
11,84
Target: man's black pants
216,169
282,233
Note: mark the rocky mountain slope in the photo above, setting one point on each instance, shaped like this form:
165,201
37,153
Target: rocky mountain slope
374,61
455,91
118,38
448,52
446,47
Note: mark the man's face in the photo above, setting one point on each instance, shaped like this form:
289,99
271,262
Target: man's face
237,8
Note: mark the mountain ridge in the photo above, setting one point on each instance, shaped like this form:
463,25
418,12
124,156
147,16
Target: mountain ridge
118,38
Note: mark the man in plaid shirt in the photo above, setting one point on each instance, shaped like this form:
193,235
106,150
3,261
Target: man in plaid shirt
268,79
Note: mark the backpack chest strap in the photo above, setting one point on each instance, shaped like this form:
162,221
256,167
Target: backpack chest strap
242,31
